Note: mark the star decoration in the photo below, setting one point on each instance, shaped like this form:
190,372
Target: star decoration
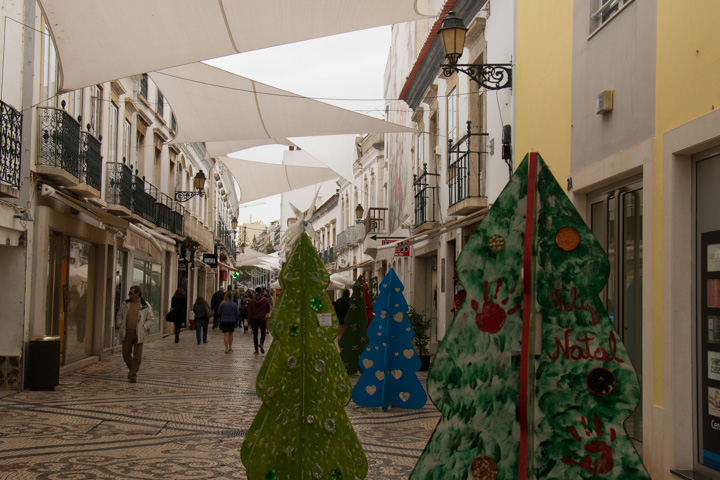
301,225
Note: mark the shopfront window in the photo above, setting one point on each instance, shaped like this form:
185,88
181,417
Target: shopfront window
616,221
70,295
79,327
148,276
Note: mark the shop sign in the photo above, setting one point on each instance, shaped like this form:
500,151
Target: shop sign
210,259
402,249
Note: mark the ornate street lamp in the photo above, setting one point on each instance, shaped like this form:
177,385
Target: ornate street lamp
452,37
233,223
359,210
198,184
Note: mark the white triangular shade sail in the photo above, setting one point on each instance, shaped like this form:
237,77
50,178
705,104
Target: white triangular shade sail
333,151
217,149
102,40
260,180
213,105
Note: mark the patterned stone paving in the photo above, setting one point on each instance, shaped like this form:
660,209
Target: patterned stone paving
185,419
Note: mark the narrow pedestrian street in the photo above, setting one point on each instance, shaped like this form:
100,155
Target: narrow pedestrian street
185,418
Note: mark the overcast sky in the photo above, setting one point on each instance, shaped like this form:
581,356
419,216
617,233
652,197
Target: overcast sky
345,70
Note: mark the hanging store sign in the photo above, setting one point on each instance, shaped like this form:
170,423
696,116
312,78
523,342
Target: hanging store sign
210,259
402,249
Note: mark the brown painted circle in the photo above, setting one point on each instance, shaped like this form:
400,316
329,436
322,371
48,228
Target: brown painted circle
601,381
567,238
496,243
484,468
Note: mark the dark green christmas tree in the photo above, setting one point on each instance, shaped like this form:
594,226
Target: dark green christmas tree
531,378
354,340
301,429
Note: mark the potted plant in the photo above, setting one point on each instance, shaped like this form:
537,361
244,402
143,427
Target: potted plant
420,324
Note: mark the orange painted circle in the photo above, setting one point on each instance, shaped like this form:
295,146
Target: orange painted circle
484,468
567,238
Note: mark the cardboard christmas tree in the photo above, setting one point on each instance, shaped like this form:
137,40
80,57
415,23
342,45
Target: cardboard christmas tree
301,429
354,340
531,378
390,361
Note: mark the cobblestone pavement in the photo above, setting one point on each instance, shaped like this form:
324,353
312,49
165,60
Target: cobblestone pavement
185,418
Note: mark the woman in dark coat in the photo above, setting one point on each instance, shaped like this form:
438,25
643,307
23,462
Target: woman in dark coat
178,304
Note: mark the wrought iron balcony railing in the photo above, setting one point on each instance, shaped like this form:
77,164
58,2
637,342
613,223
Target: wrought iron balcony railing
59,140
164,212
178,219
144,198
119,185
426,188
90,166
465,167
10,145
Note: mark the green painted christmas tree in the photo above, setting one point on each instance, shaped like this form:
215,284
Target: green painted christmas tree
301,430
531,378
354,340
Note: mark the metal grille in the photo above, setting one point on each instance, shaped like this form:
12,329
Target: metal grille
178,218
59,140
426,197
164,212
462,159
119,185
144,196
10,143
90,167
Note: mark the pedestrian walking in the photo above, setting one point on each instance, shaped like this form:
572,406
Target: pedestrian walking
215,301
342,305
228,310
258,311
134,319
243,306
178,305
202,312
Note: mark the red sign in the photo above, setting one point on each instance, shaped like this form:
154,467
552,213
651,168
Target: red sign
401,250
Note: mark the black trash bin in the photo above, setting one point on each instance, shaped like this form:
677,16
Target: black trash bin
43,363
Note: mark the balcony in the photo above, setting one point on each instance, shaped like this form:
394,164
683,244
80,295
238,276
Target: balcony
68,156
10,148
178,219
119,194
59,146
426,188
165,217
226,236
466,163
89,167
144,198
376,221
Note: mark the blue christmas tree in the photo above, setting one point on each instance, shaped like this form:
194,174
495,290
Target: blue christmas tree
389,361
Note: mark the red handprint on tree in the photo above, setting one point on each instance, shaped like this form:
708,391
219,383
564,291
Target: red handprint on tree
492,317
604,464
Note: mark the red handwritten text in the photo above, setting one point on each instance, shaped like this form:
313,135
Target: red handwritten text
582,350
560,300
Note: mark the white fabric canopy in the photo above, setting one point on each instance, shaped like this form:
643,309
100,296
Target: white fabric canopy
260,180
217,149
213,105
333,151
102,40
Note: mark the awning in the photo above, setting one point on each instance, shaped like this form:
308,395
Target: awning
260,180
102,40
213,105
